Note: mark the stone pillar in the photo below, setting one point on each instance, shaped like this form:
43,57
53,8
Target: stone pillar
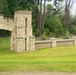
11,42
32,43
53,42
27,44
74,40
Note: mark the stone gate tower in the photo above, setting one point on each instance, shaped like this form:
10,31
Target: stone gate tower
22,38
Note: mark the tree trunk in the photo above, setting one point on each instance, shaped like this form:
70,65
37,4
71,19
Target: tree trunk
43,19
40,15
68,6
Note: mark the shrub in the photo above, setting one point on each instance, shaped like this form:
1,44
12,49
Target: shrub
44,37
66,35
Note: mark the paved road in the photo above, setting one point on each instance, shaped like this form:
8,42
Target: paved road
36,73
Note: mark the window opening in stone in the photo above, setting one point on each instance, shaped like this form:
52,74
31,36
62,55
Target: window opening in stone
25,26
25,43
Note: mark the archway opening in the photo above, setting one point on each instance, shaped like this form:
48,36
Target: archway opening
4,40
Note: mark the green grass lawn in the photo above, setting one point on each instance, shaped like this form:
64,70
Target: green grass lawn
50,59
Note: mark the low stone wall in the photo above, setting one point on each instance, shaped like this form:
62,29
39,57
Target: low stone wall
66,42
55,43
43,44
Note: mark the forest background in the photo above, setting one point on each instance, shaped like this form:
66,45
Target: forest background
53,20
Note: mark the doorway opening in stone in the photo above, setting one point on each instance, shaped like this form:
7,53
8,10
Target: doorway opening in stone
25,44
4,40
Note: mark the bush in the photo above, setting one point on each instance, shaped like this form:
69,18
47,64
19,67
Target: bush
52,34
66,34
54,25
73,30
44,37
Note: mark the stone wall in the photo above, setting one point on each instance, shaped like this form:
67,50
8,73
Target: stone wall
66,42
43,44
54,43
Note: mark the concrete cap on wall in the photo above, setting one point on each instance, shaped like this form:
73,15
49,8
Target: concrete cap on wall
52,38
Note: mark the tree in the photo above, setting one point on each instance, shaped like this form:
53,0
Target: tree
54,26
56,8
6,11
49,8
41,14
68,6
1,6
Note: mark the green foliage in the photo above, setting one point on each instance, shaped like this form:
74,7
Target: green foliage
35,29
5,10
51,34
56,8
53,23
72,27
37,32
73,30
47,31
1,6
19,8
43,37
66,34
49,8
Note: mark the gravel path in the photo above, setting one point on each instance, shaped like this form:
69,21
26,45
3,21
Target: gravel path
36,73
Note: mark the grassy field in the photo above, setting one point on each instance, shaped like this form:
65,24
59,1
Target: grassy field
51,59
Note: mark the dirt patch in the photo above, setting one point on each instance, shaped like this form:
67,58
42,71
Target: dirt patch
35,73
